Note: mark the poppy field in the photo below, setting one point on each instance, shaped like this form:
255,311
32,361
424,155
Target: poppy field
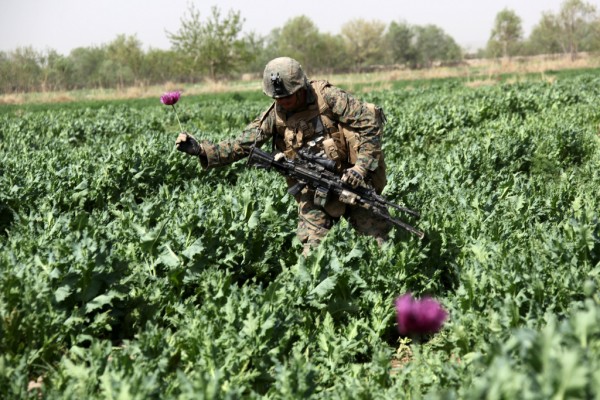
127,272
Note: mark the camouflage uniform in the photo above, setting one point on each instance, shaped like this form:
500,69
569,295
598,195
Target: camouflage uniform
333,124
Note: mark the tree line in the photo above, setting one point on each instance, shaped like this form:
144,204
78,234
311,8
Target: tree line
216,48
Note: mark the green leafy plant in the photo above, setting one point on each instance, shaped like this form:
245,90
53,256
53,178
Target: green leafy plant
127,271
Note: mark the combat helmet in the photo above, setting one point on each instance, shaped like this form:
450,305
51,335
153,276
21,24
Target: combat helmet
283,76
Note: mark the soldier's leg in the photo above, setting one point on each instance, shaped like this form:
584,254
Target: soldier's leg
367,223
313,222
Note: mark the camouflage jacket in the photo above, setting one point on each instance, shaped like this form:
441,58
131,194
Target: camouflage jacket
329,112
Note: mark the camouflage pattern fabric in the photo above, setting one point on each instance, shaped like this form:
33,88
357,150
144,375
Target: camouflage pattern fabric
314,223
343,108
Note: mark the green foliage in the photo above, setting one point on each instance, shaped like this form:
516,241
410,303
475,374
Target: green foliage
574,28
365,40
420,46
399,38
125,57
215,46
506,35
128,272
544,38
299,38
577,24
434,45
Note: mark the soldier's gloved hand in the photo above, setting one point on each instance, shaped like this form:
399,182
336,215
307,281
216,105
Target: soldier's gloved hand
188,144
354,176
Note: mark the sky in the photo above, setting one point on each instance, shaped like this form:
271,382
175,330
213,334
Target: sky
63,25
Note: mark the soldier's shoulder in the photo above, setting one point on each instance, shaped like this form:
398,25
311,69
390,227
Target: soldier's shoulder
324,85
268,113
268,120
331,93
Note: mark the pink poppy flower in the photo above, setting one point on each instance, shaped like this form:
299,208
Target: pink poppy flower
419,316
170,98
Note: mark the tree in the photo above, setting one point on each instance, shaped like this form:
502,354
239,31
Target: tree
432,44
300,39
574,28
545,36
215,46
6,86
333,56
576,23
56,71
507,34
256,46
86,63
25,71
126,56
364,41
400,43
591,41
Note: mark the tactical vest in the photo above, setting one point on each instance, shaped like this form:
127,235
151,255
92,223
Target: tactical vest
316,129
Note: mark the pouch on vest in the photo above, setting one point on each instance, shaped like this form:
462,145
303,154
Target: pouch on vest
331,151
320,198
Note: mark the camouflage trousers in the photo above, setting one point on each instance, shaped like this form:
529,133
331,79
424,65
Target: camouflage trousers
314,223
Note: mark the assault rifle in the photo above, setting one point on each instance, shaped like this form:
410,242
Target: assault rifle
318,173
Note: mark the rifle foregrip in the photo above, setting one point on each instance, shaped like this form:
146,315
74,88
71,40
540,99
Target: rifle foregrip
297,188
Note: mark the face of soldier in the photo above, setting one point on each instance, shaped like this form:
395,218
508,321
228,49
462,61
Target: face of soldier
293,102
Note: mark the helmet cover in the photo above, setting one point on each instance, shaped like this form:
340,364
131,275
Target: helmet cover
283,77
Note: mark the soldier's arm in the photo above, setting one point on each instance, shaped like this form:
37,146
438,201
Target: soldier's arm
229,151
354,113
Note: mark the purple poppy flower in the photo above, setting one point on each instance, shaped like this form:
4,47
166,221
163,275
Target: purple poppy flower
419,316
170,98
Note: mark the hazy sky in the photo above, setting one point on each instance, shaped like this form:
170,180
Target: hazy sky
63,25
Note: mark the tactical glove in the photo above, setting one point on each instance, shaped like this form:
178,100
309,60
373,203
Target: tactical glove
188,144
354,176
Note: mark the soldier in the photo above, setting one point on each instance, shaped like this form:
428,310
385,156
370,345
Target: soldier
320,118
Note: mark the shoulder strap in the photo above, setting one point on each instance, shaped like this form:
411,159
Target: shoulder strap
318,87
262,119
